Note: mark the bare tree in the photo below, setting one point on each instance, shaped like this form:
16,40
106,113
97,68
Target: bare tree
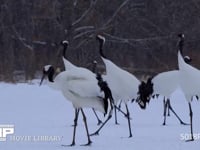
140,34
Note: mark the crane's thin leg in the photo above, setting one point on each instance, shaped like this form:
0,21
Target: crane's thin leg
97,131
86,127
165,109
164,106
170,107
75,112
116,122
99,121
121,111
191,126
120,104
75,124
129,123
168,112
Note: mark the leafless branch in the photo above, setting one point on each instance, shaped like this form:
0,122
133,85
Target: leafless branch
116,12
129,42
159,60
82,43
83,34
83,28
152,24
126,40
92,3
90,31
39,42
22,40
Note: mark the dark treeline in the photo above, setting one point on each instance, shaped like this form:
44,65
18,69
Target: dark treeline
141,34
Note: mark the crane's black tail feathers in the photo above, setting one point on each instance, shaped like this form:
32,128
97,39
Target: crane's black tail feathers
144,93
107,92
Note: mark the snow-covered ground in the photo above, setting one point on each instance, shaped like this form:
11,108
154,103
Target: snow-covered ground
37,111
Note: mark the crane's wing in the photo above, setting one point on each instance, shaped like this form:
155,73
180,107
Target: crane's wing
84,88
81,83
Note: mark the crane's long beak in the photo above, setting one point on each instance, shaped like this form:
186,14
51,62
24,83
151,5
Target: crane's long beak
43,76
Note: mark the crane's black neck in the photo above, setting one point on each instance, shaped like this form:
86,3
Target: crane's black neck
101,49
94,68
65,46
51,72
180,45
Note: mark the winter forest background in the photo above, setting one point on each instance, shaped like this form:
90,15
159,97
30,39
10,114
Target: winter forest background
141,34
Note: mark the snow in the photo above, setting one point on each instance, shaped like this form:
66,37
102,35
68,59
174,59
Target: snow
38,111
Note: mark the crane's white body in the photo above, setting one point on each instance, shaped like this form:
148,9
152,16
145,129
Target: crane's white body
68,65
124,85
189,79
80,82
80,88
166,83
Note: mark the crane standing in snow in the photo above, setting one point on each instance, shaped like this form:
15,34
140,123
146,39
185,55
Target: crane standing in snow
189,81
159,85
83,90
124,86
69,66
